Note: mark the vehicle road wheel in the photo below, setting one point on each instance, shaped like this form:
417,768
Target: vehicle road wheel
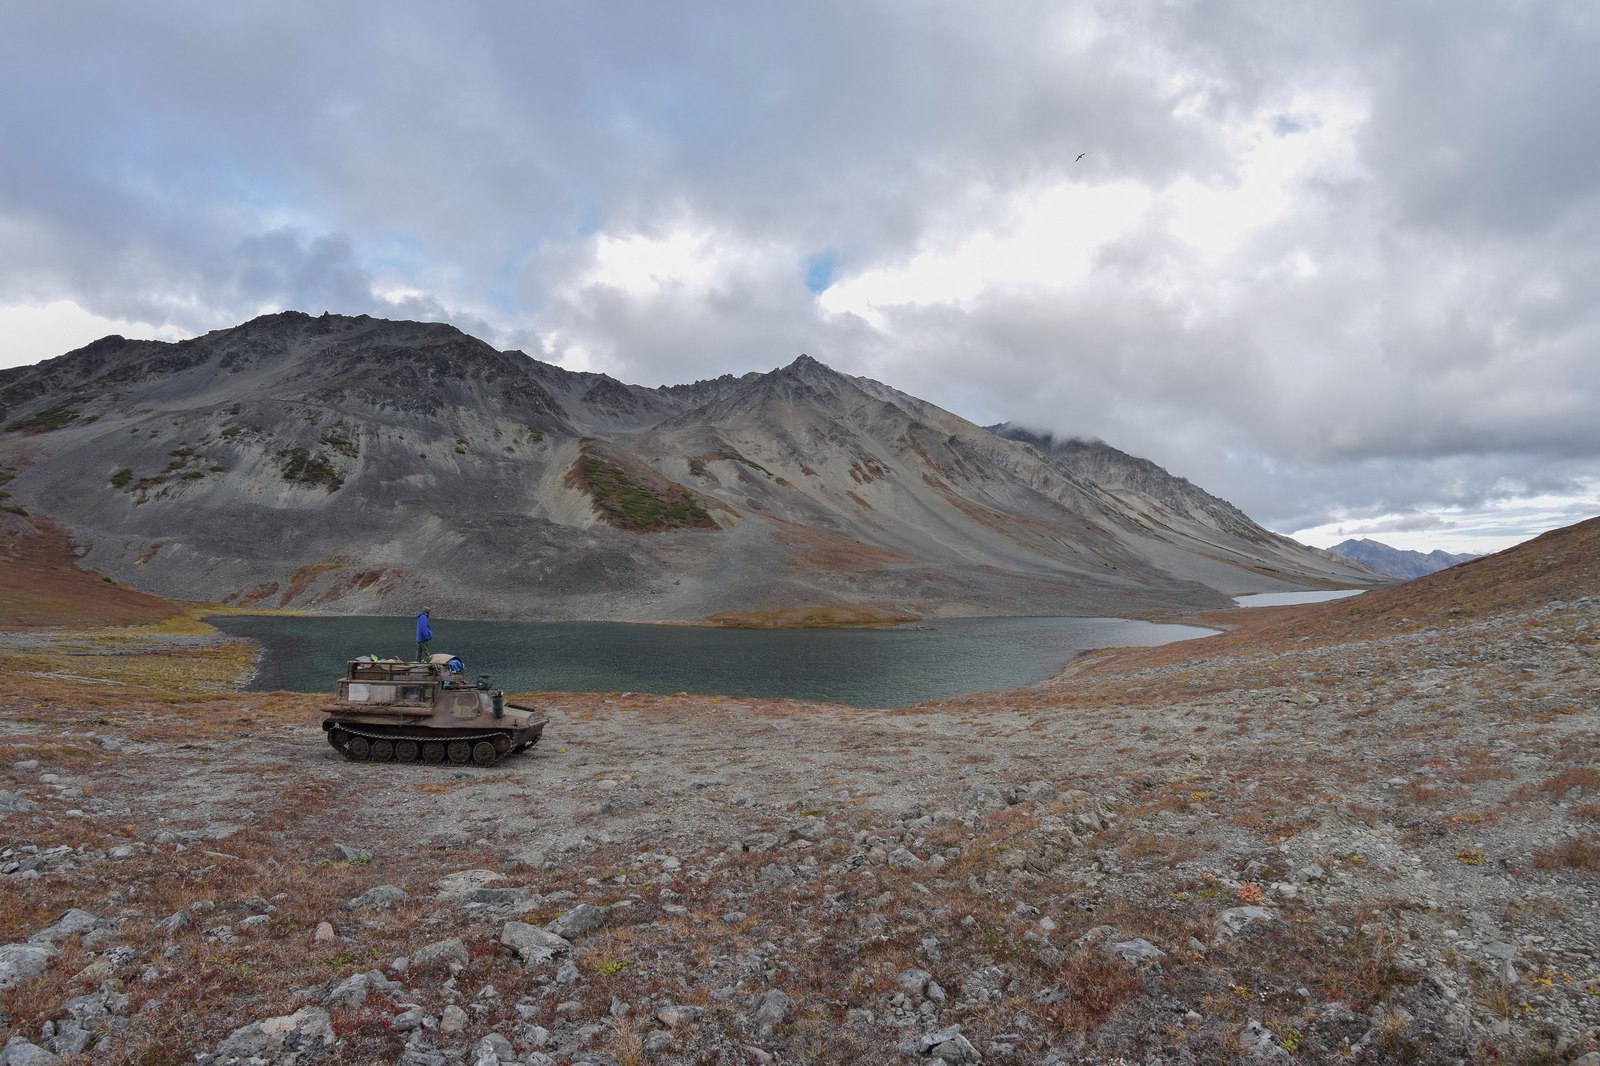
405,751
483,753
382,750
358,748
502,743
432,752
460,752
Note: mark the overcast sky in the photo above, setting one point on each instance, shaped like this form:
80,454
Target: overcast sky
1335,262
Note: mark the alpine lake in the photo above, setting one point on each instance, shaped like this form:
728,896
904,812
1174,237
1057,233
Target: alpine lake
864,667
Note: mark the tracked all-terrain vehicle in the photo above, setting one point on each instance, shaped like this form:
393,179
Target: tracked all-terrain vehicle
387,710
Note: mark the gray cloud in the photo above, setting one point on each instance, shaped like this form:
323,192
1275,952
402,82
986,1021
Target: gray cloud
1412,329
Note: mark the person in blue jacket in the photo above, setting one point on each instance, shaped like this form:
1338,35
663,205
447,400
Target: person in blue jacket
424,634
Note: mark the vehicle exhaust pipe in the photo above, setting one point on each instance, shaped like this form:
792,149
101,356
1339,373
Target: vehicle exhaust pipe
499,701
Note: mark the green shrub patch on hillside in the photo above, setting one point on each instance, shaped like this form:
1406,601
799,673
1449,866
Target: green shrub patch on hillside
305,467
627,504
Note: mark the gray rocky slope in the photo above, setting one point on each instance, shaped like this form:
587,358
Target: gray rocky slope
1397,562
357,465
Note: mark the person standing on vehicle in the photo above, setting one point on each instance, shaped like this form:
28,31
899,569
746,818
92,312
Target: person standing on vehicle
424,634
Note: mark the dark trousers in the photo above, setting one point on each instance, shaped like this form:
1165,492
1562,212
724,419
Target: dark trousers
422,651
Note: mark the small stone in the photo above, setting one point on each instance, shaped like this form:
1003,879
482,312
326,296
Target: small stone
324,933
453,1020
673,1015
346,853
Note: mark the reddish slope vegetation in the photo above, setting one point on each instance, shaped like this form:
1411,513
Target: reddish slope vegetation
41,585
1561,565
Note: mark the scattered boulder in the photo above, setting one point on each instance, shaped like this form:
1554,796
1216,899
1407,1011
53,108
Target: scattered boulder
674,1015
353,990
74,922
346,853
10,801
946,1045
775,1009
582,919
452,952
1232,921
500,897
460,886
493,1050
532,944
297,1039
20,1052
452,1020
380,898
1138,951
1260,1045
20,963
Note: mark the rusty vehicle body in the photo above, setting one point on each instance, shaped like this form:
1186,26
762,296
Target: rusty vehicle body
389,710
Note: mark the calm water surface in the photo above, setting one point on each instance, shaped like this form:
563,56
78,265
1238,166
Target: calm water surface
1289,599
864,667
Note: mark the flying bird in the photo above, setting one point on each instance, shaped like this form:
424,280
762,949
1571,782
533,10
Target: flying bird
1080,156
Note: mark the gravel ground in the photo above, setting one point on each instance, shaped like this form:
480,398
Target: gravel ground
1377,849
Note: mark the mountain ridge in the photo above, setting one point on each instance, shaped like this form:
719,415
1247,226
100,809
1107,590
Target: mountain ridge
1398,562
357,465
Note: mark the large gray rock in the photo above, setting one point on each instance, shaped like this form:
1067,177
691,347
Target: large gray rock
675,1015
380,898
297,1039
10,801
1138,951
582,919
775,1009
353,990
20,1052
1234,920
74,922
947,1045
532,944
443,952
460,886
20,963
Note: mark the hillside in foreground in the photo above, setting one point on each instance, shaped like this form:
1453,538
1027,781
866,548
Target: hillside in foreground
1363,831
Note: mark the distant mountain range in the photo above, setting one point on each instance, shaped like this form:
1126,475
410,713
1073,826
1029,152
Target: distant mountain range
1397,562
357,465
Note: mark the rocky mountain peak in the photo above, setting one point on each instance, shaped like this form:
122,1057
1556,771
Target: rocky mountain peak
342,464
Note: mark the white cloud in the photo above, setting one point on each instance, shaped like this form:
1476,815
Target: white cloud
30,333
